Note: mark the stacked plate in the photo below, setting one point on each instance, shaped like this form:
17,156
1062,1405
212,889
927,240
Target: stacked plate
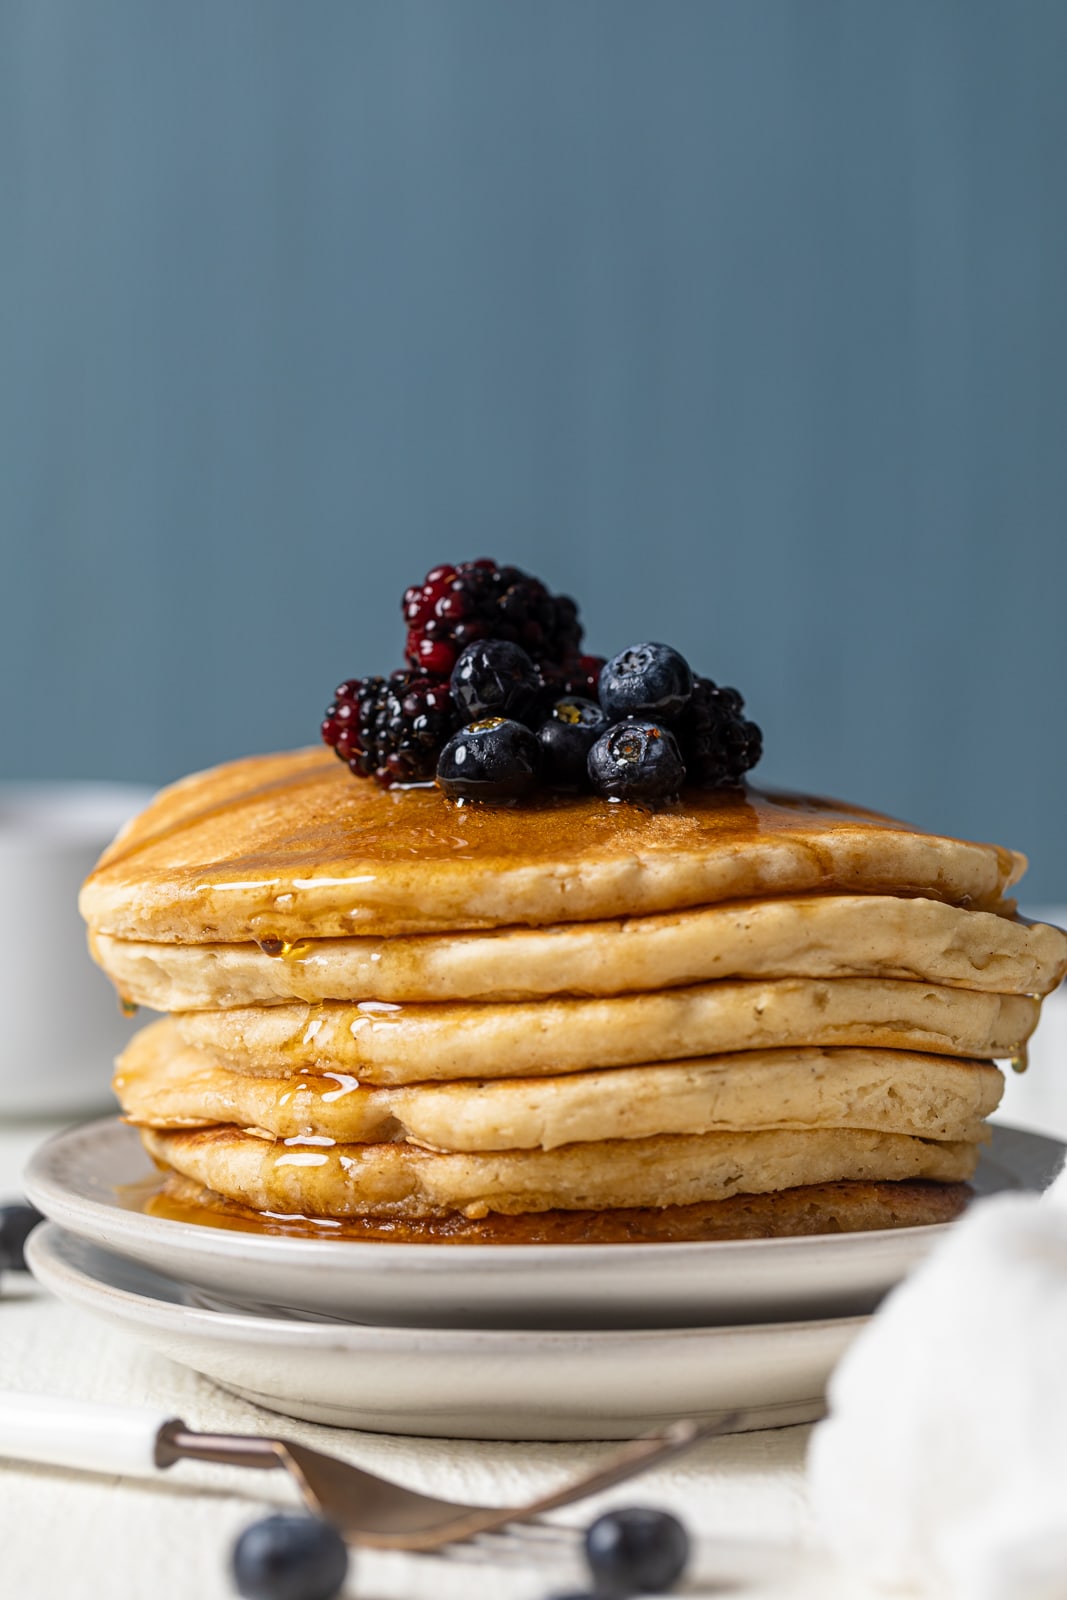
476,1341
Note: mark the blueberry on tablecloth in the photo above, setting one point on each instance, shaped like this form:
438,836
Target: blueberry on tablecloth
636,1550
289,1557
17,1222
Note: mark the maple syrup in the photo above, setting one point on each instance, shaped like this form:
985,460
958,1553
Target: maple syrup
819,1208
296,950
279,849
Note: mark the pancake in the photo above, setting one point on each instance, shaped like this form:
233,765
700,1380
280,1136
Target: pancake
386,1044
403,1180
290,847
811,1209
820,936
162,1083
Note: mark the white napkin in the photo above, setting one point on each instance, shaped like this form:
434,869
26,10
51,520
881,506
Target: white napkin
943,1464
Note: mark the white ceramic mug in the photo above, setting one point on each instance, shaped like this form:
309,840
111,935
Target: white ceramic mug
61,1024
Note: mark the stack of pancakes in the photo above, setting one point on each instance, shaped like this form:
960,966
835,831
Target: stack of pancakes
747,1013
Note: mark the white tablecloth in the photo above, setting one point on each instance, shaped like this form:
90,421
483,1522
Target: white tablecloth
65,1536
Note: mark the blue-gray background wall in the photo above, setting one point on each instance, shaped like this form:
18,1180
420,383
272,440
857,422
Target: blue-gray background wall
743,320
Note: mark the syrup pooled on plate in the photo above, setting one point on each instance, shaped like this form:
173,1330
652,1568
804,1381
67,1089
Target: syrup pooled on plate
821,1209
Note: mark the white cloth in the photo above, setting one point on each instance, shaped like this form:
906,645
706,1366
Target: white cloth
943,1464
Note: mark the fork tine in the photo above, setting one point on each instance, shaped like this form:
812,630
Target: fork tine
539,1528
508,1546
545,1535
633,1459
476,1552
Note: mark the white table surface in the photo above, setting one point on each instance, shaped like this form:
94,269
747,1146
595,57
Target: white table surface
64,1535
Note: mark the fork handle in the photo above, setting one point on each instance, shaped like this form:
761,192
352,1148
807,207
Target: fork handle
74,1433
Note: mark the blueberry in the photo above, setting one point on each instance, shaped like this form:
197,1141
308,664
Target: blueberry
495,678
17,1222
491,760
636,1551
636,761
647,680
572,729
290,1557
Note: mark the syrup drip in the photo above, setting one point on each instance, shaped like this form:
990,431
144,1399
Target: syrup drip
286,950
375,1016
1020,1059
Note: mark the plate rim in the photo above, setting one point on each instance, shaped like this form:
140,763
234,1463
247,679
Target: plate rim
47,1241
51,1196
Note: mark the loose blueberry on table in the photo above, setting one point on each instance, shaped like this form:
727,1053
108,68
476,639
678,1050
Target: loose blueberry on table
17,1222
636,1550
494,658
290,1557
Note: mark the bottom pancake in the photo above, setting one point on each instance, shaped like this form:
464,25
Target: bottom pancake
847,1207
402,1180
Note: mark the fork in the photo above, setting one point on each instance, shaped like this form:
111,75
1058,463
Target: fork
365,1508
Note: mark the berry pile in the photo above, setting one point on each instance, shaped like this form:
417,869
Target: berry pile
499,702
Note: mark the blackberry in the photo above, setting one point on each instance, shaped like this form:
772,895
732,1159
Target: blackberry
577,675
636,761
718,743
392,729
491,760
646,680
494,678
455,606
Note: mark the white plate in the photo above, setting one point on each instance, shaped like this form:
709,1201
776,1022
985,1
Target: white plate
77,1179
457,1383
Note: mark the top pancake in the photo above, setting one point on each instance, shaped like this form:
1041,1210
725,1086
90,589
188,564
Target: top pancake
291,846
